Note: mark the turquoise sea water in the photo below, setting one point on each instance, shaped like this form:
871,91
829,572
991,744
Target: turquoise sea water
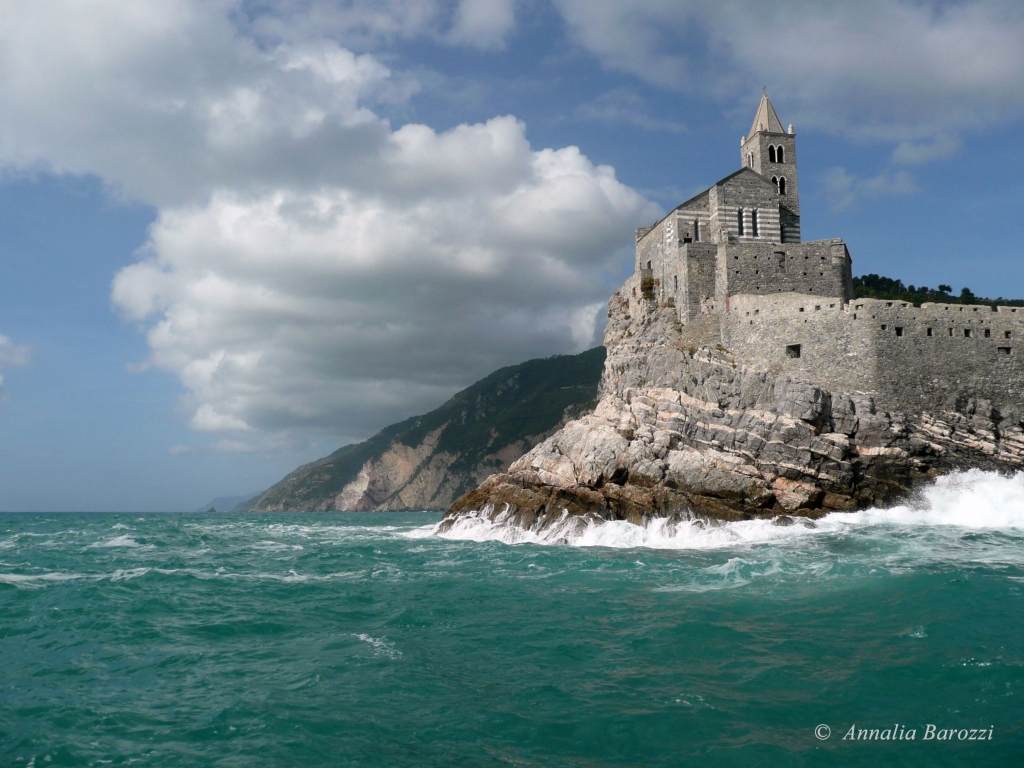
364,640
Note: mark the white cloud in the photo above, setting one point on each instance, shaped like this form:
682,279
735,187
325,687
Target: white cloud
325,309
482,24
311,268
167,102
880,69
940,147
844,190
11,355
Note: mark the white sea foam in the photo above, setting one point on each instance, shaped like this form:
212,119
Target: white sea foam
127,574
38,579
276,546
117,541
972,500
380,645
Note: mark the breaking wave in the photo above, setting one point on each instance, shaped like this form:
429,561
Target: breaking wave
952,505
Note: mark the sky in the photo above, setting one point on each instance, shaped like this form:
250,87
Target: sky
237,235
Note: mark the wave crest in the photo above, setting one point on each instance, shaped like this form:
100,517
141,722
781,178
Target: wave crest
973,500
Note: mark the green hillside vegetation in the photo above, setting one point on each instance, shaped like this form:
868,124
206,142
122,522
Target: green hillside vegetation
877,287
510,404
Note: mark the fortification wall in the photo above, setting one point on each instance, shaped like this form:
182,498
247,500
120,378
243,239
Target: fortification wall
928,357
820,268
912,359
809,338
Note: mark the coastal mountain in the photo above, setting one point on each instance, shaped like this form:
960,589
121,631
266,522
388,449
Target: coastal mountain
428,461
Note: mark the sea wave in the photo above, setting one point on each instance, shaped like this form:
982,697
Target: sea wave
117,541
971,500
38,579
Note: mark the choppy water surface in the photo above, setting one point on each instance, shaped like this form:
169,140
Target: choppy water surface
366,640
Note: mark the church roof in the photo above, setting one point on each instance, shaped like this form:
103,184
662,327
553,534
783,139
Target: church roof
765,118
698,196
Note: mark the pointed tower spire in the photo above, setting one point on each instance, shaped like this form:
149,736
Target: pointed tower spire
765,119
770,150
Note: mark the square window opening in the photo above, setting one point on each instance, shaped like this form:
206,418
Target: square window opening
792,350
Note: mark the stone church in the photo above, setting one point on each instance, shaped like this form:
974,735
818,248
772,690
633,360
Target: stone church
732,264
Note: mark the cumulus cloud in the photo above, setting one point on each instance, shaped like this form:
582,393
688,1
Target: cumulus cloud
844,190
311,267
879,69
327,308
166,102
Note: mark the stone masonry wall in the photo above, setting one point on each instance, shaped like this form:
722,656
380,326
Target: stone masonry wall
691,214
749,192
789,225
928,357
821,268
762,331
911,359
660,248
696,280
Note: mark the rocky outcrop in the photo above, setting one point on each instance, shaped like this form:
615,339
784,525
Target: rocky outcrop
681,430
428,461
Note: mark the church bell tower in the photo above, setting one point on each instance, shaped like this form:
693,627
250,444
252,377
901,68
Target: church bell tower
771,151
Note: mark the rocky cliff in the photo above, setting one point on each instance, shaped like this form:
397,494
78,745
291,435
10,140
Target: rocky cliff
428,461
681,430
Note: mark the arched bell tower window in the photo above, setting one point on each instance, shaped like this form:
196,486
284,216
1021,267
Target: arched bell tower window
775,182
771,153
753,223
780,155
782,185
739,222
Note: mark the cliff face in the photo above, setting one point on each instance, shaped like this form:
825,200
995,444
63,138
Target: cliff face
681,429
428,461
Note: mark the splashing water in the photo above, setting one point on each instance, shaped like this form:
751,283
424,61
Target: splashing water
972,500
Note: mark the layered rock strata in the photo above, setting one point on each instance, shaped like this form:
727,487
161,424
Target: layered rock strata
681,430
